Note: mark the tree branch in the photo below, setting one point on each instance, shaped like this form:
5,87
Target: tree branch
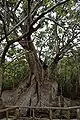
47,11
14,28
55,22
4,27
17,5
35,9
26,33
4,53
68,43
35,21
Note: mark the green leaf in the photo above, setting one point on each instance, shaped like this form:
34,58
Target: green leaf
60,30
25,4
13,1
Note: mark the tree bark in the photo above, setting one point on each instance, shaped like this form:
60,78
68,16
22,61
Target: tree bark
1,81
35,66
41,76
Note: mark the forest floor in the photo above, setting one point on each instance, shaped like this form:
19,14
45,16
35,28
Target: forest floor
8,96
21,97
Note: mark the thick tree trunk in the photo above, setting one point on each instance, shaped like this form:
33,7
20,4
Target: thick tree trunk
53,67
39,80
35,66
40,90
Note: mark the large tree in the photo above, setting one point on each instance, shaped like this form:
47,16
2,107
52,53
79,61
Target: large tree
20,19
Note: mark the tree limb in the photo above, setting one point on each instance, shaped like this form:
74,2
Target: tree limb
35,9
47,11
17,5
55,22
35,21
4,53
14,28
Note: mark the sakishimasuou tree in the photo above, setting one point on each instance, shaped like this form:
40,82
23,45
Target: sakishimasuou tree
45,29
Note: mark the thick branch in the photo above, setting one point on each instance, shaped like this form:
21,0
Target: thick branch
4,27
56,22
14,28
35,9
4,53
62,52
16,40
69,41
35,21
29,9
17,5
47,11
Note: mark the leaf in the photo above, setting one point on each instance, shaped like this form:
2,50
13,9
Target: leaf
48,2
25,4
13,1
12,36
60,30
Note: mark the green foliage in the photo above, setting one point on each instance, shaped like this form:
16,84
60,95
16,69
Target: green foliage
60,30
25,4
12,1
12,36
14,73
48,2
68,75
